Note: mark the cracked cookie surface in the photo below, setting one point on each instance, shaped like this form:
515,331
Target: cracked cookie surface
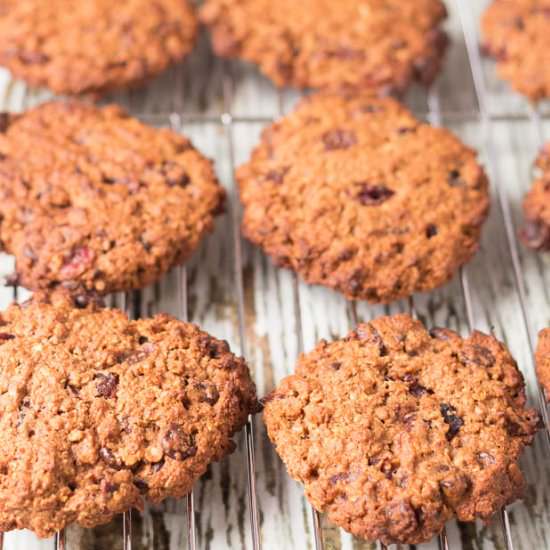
381,45
354,193
91,198
394,430
99,413
517,34
93,47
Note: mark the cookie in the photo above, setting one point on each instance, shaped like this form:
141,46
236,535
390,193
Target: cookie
394,430
535,232
99,413
93,47
517,34
93,199
365,44
542,359
356,194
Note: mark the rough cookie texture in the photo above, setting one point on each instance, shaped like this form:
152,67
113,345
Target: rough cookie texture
517,34
381,45
536,207
93,47
356,194
99,413
92,198
394,430
542,358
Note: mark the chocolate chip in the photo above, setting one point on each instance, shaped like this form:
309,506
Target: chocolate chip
141,485
106,384
536,234
339,139
108,456
177,444
431,230
450,418
336,365
415,388
5,336
372,195
143,340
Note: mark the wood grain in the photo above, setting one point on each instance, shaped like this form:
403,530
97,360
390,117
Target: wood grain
280,316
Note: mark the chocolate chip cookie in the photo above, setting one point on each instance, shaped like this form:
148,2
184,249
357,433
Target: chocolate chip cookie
366,44
93,47
542,358
99,413
394,430
517,34
91,198
535,232
355,193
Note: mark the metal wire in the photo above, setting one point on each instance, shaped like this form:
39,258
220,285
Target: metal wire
227,121
476,67
60,540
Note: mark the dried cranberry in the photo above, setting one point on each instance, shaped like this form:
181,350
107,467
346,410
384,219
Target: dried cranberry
339,139
78,262
372,195
431,230
108,456
5,336
177,444
106,384
277,176
449,416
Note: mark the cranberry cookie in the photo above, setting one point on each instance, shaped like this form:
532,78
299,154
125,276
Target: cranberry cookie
394,430
99,413
535,233
93,46
92,198
380,45
517,34
356,194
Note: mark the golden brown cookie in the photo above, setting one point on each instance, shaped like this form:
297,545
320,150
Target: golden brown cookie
355,193
381,45
535,232
542,358
93,46
99,413
394,430
92,198
517,34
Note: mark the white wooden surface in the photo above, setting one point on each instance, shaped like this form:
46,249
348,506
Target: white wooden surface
280,315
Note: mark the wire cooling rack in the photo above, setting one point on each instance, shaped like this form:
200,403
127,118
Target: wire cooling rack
269,316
